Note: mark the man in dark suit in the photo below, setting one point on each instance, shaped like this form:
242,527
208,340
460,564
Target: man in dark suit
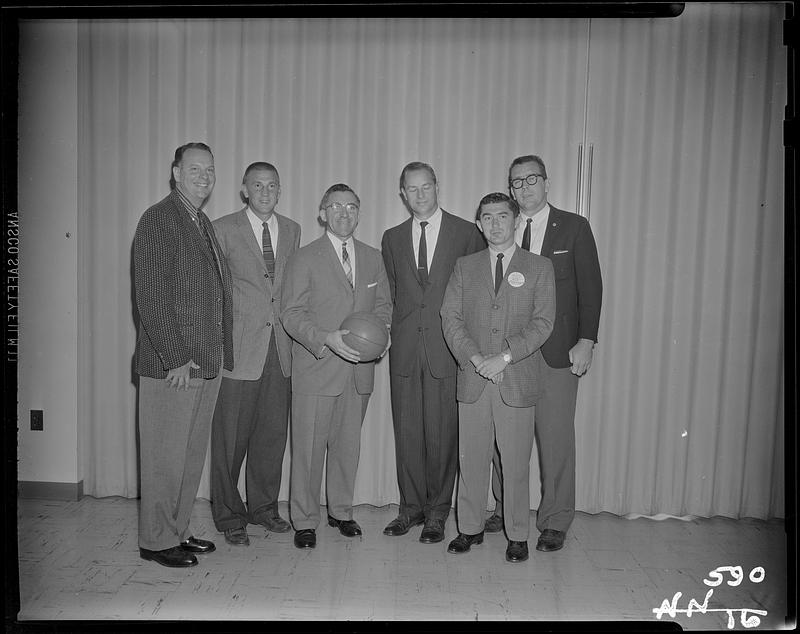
566,239
252,410
419,255
326,281
497,312
183,295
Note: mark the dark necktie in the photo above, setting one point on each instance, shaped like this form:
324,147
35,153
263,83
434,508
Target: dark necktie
526,237
422,260
201,220
348,268
498,273
266,247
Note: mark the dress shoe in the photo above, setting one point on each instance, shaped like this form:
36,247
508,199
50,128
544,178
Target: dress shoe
175,557
433,532
237,536
462,543
494,524
516,551
305,538
348,528
275,524
194,545
401,524
550,540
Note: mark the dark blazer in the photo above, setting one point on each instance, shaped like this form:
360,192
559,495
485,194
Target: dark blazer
316,298
520,317
569,243
256,297
416,306
184,301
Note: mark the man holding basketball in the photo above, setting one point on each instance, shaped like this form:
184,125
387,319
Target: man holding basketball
325,282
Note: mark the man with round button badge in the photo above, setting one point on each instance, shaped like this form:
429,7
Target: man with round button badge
497,312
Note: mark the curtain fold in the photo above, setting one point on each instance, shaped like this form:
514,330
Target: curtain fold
354,100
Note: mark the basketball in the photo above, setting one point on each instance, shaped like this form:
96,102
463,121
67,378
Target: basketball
368,335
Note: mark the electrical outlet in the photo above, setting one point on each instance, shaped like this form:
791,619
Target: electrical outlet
37,420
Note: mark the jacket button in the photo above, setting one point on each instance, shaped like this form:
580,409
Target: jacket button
269,324
422,305
494,330
419,328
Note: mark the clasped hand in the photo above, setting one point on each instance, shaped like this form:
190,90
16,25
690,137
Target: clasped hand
335,342
490,368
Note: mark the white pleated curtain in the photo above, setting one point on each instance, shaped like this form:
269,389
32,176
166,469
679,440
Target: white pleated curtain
691,332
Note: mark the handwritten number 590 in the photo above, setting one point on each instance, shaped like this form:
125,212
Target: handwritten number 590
756,575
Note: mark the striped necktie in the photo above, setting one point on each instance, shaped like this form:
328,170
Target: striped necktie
266,247
348,268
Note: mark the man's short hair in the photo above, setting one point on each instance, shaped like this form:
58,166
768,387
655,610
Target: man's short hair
497,197
412,167
338,187
528,158
260,165
194,145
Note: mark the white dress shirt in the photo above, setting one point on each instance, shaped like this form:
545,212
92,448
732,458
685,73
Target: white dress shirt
507,255
258,229
336,241
431,235
538,228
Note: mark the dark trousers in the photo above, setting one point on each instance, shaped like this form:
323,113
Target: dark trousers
251,418
425,415
555,439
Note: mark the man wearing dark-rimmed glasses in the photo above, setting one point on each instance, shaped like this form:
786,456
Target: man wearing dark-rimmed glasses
566,238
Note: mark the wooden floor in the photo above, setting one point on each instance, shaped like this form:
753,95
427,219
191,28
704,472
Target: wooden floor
80,560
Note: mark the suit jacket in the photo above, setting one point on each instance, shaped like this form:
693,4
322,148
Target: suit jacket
316,298
569,243
416,305
256,297
520,317
183,297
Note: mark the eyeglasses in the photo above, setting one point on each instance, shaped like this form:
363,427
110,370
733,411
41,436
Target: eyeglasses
339,208
530,179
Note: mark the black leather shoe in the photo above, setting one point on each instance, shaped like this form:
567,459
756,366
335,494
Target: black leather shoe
463,542
433,532
275,524
194,545
305,538
175,557
516,551
348,528
401,524
550,540
494,524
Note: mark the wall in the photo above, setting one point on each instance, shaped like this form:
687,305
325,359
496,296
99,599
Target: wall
48,205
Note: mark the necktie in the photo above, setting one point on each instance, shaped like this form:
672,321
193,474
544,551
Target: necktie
526,237
348,269
422,260
201,220
266,247
498,273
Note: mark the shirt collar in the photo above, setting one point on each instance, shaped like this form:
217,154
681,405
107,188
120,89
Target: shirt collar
433,222
187,203
507,254
336,241
539,218
272,222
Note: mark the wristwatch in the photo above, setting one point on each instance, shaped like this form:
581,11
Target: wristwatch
507,356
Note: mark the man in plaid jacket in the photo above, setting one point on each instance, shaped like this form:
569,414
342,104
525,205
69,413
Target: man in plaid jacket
183,295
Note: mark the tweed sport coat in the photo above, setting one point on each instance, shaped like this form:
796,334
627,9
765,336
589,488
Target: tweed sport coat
520,317
570,246
256,297
316,298
415,318
183,298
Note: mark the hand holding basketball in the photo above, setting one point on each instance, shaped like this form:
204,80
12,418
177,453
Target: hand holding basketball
367,334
